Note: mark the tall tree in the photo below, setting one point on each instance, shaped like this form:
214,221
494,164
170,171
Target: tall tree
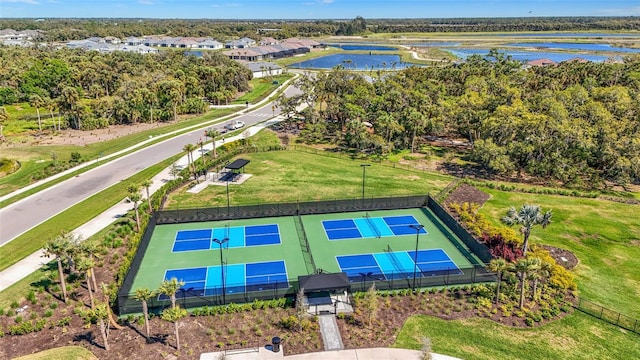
100,312
522,267
147,184
86,265
135,197
174,315
527,217
37,102
170,288
189,148
143,295
213,134
499,266
59,247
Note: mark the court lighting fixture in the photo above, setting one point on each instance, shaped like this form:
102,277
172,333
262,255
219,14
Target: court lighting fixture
417,228
220,242
364,174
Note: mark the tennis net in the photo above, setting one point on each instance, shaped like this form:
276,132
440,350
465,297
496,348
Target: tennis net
372,225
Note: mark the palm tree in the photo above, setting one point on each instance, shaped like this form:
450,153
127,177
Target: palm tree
522,267
499,266
534,275
213,134
170,288
59,247
174,315
135,198
101,313
85,264
37,102
147,184
189,149
143,295
527,217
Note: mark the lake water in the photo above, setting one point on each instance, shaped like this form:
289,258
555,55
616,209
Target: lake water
435,44
581,35
527,55
366,47
354,62
578,46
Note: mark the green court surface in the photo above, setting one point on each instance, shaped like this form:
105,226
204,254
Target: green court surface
159,256
325,251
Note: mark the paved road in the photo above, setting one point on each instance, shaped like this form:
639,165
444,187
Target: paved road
25,214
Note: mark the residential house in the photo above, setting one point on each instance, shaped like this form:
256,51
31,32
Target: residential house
264,69
209,44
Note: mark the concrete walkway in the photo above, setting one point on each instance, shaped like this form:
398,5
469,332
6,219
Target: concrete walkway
265,353
330,332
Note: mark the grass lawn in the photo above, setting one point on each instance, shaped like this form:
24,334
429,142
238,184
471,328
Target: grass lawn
63,353
577,336
288,176
261,88
604,235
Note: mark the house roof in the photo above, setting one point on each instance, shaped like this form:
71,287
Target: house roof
262,66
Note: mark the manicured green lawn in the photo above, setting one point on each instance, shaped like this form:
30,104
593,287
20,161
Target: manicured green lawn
604,235
261,88
289,176
577,336
62,353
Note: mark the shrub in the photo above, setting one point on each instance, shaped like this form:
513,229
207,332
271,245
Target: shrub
48,313
53,305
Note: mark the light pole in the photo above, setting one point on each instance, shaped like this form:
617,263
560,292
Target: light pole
364,175
228,201
417,228
220,242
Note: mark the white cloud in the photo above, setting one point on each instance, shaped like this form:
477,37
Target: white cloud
145,2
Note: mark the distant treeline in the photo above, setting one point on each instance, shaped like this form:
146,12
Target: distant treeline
74,29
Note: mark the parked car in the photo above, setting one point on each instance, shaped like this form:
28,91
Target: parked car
237,124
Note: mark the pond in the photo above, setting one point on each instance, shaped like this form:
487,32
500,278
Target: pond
354,62
527,55
366,47
578,46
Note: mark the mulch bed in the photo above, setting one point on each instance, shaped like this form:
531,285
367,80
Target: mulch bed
465,193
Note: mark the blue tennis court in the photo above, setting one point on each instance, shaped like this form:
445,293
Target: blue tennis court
397,264
240,236
369,227
239,278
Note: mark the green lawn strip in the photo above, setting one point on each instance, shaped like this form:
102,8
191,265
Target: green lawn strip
19,290
35,158
61,353
74,217
603,235
261,88
577,336
289,176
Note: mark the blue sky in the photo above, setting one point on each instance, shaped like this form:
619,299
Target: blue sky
314,9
